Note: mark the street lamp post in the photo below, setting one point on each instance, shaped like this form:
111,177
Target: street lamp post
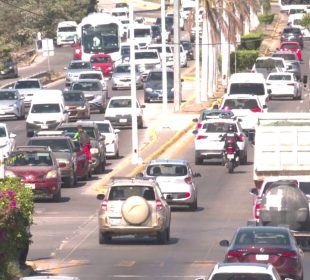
197,54
164,62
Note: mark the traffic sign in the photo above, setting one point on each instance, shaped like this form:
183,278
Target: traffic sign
47,47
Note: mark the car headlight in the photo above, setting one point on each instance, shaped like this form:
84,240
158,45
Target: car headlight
81,107
94,151
51,174
148,89
10,174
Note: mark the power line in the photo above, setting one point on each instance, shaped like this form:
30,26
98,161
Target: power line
22,9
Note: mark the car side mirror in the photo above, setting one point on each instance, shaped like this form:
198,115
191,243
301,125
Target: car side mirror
139,175
65,68
116,130
215,106
195,131
224,243
12,135
100,196
269,91
65,112
254,191
168,197
195,120
10,87
44,86
102,137
265,107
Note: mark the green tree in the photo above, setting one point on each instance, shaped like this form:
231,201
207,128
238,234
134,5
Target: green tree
305,21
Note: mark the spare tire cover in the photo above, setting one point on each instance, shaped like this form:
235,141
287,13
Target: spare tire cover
135,210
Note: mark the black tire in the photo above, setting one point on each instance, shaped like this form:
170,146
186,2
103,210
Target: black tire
117,154
140,124
98,169
104,238
57,196
69,181
198,160
162,236
244,160
193,206
230,166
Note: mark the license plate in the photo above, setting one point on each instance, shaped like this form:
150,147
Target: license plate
115,221
30,186
230,156
44,126
262,257
123,120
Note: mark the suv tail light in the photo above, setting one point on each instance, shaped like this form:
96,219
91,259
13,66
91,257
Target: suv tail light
240,138
256,210
289,254
234,254
256,110
104,205
188,180
200,137
199,125
159,204
230,150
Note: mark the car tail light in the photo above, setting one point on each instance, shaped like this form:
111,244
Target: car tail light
199,137
240,138
258,184
188,180
199,125
77,51
104,205
234,254
62,165
256,210
159,204
256,110
230,150
289,254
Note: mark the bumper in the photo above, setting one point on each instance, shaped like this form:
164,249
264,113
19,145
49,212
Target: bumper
209,154
179,198
44,189
33,127
154,96
9,113
123,121
110,150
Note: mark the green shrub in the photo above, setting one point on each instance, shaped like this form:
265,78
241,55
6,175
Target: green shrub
243,59
266,18
251,41
16,209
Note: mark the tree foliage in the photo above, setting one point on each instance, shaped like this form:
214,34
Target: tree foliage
305,21
21,20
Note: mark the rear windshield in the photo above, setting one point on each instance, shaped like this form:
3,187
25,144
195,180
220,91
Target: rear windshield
57,145
104,127
8,95
247,88
86,86
218,127
74,96
269,63
290,46
240,104
166,170
123,192
280,77
70,131
80,65
29,158
286,56
27,84
90,76
241,276
146,55
100,60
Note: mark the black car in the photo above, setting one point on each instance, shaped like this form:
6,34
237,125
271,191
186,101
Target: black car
8,67
187,45
292,34
156,33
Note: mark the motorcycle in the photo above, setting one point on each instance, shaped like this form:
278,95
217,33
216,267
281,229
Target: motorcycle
230,155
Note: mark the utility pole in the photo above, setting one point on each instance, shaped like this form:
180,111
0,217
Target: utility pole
164,62
176,66
197,54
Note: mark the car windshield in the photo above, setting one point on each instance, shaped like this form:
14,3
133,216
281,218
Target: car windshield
100,59
241,276
292,30
289,46
123,192
240,104
286,56
22,158
57,145
122,69
218,127
142,32
120,103
27,84
91,76
104,127
8,95
279,77
146,55
262,237
247,88
70,131
157,76
45,108
269,63
186,45
80,65
73,96
170,170
86,86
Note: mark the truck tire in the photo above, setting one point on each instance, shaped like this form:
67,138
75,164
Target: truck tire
198,160
163,236
135,210
104,238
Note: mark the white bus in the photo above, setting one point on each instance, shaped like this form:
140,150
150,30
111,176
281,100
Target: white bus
99,33
286,5
66,32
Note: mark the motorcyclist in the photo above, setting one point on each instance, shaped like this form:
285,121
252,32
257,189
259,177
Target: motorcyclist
231,140
82,136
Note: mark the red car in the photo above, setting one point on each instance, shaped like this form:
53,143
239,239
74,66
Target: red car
292,47
102,62
77,54
266,244
38,170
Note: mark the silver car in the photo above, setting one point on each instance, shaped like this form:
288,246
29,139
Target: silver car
74,69
11,104
94,93
121,77
176,181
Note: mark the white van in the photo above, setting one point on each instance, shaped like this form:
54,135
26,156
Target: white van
249,83
143,35
66,33
46,112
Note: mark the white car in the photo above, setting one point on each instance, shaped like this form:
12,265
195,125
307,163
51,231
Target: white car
245,107
119,112
94,74
169,53
227,271
208,140
183,56
7,141
146,60
111,138
284,85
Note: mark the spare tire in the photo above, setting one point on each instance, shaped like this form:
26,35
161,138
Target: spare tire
135,210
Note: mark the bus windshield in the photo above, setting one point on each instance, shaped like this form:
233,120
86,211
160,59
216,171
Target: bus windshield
100,38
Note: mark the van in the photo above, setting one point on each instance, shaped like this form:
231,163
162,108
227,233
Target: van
66,33
143,35
46,112
249,83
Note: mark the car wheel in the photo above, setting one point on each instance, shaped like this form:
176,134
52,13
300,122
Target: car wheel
104,238
198,160
244,159
69,181
140,124
57,196
193,206
116,154
162,236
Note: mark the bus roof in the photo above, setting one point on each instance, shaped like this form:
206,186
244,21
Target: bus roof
99,18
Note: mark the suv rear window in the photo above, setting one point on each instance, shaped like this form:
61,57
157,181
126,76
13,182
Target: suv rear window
241,276
240,104
247,88
166,170
218,127
124,192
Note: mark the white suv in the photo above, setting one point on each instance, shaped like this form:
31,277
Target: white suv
146,60
226,271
